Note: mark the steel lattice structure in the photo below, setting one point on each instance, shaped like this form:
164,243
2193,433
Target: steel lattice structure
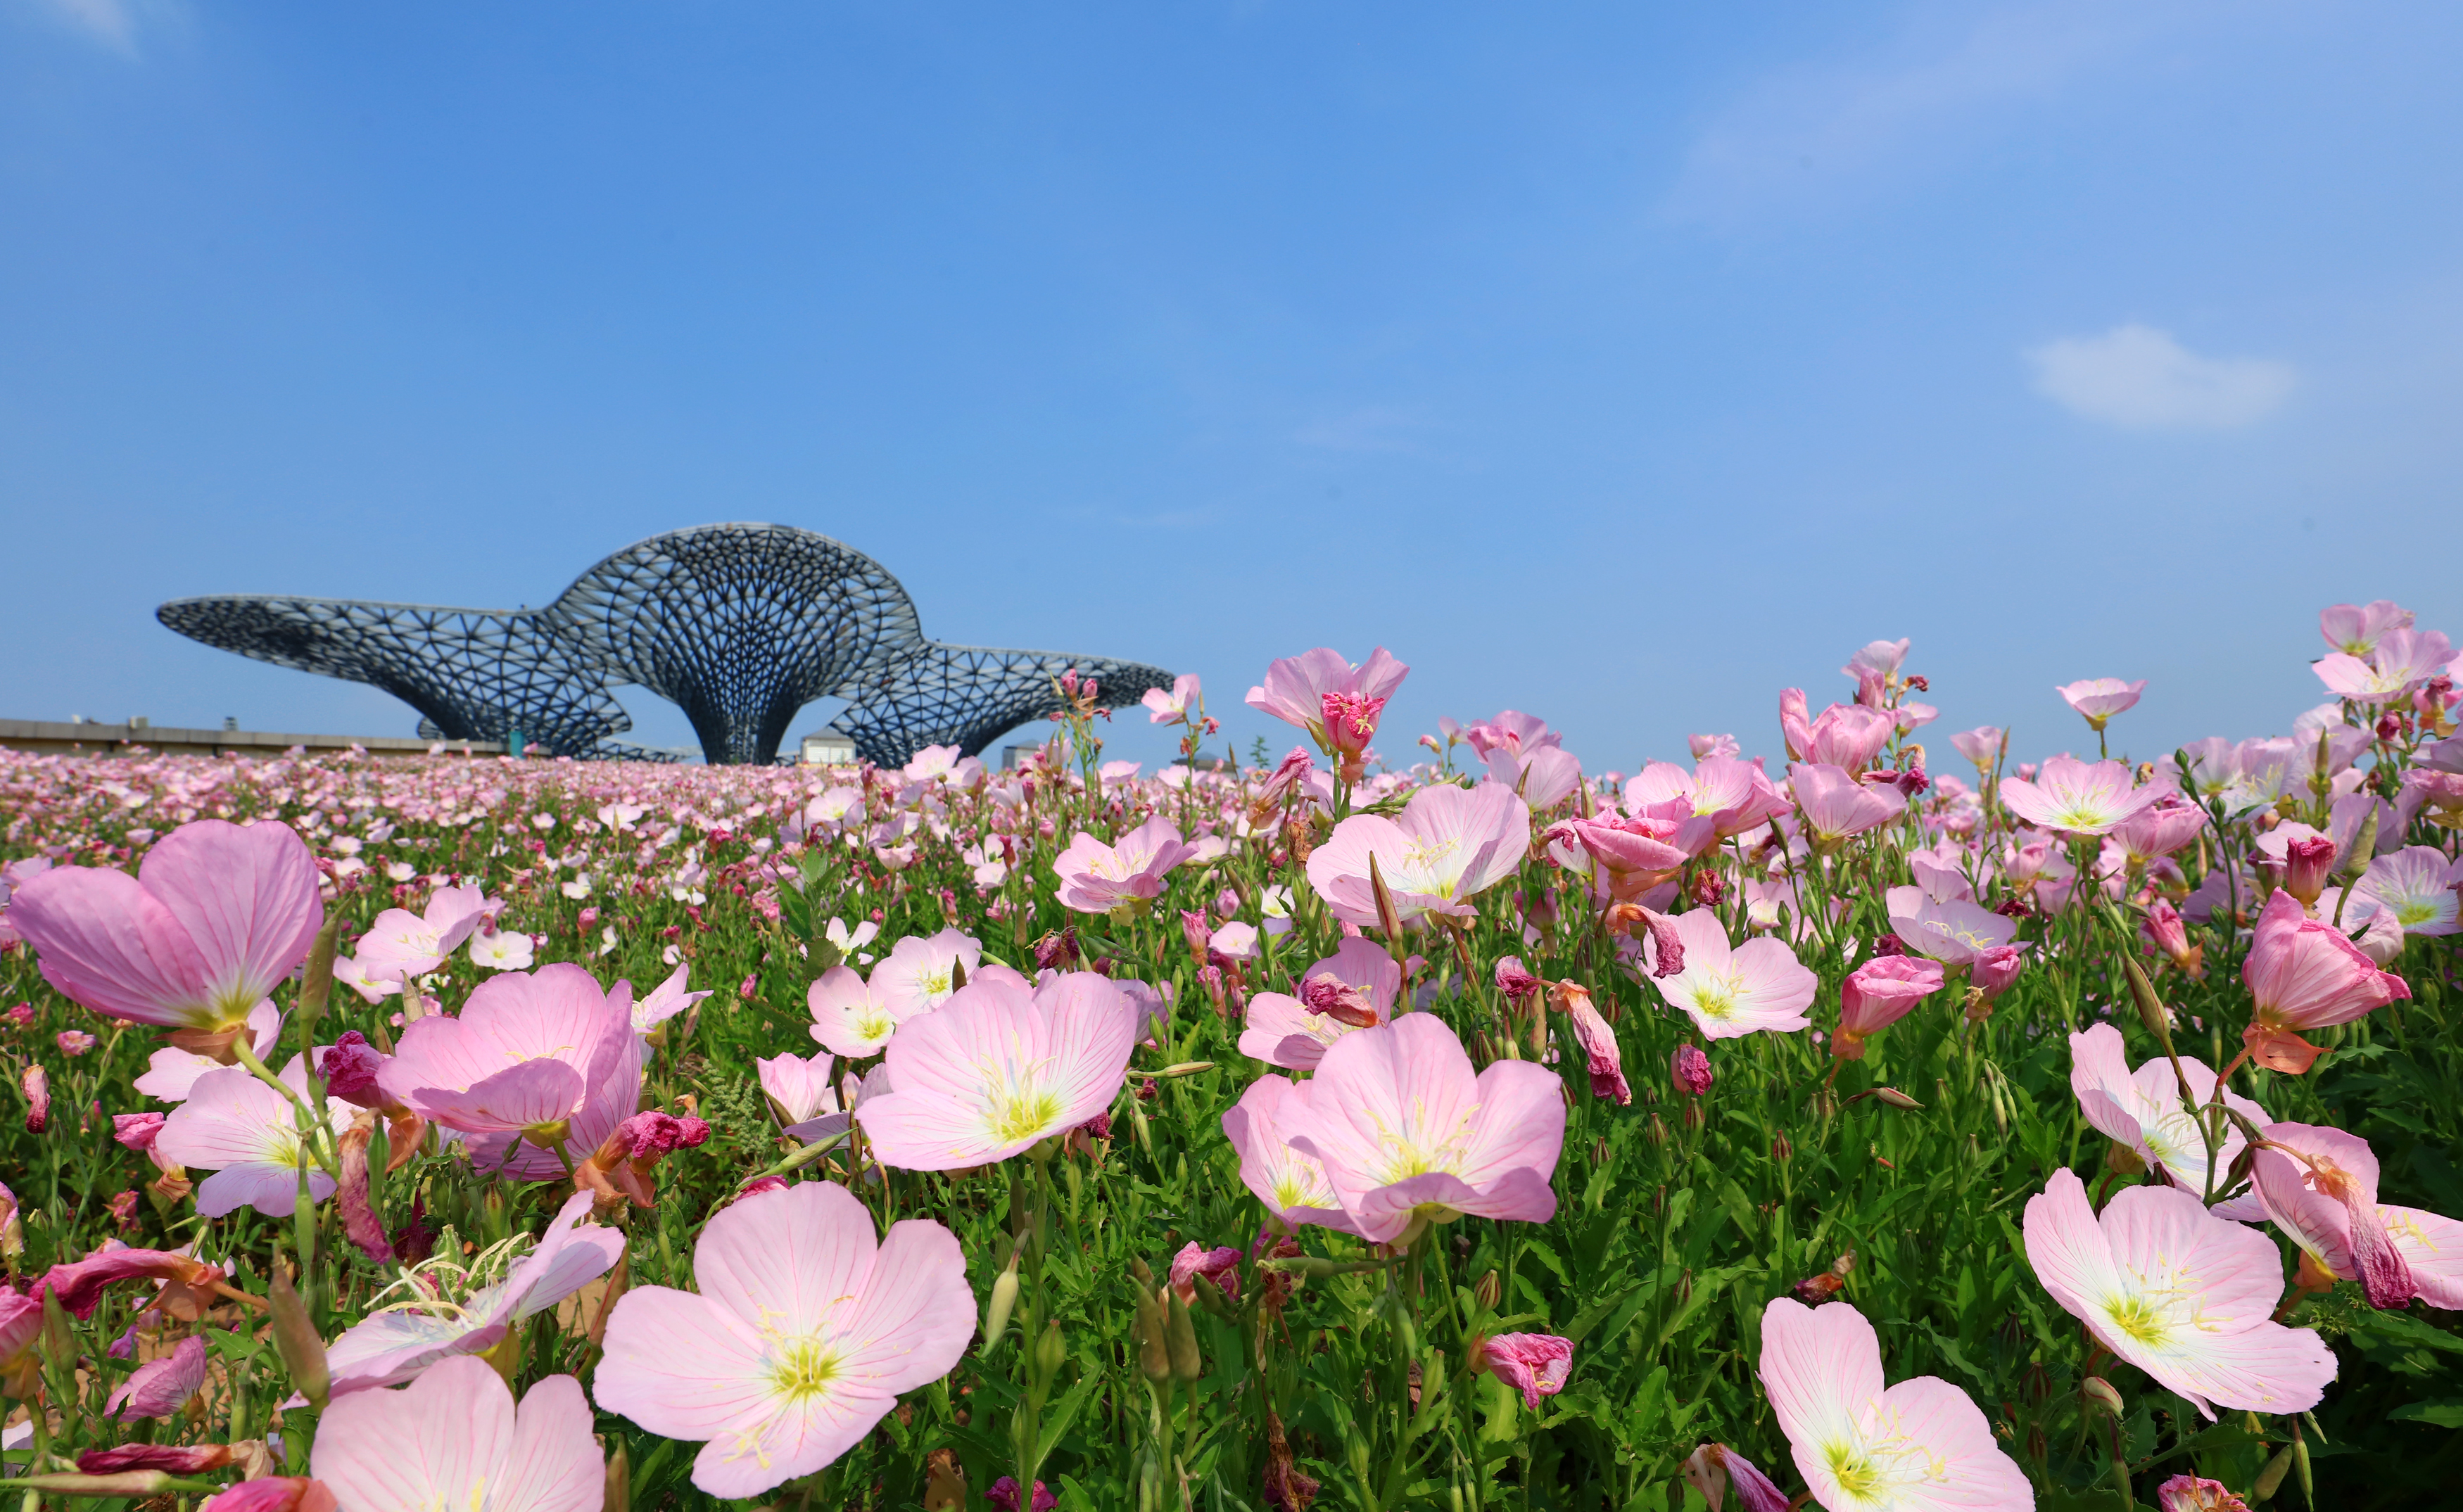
740,625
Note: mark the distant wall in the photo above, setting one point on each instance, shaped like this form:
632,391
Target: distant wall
48,737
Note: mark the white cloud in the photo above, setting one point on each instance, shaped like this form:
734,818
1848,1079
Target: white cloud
2141,378
108,22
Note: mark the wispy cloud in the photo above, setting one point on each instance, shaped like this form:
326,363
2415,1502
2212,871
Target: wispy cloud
2141,378
1821,130
1372,427
111,23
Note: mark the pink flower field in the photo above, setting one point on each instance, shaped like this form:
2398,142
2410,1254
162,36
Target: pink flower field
1846,1115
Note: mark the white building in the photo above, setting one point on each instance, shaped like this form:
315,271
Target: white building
829,746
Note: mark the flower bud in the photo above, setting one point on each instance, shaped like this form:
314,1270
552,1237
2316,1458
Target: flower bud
1690,1071
1003,1300
1489,1292
295,1337
2097,1395
1180,1335
2307,862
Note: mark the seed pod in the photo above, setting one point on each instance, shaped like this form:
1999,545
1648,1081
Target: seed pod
1180,1335
1154,1353
618,1495
1051,1353
303,1351
2151,1011
1003,1300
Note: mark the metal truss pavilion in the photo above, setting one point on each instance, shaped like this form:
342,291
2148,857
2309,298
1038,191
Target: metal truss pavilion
739,625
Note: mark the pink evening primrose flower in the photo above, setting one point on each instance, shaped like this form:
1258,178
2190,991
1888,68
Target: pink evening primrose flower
802,1337
799,1090
2416,884
1292,1186
2182,1294
396,1343
1354,988
1981,745
160,1388
1878,994
2355,629
2303,974
850,1018
997,1069
1732,992
666,1001
1921,1445
171,1071
1297,687
921,971
1953,933
2077,797
2322,1189
245,1133
401,944
1535,1364
2099,699
526,1053
1836,806
1096,878
2142,1109
1409,1133
216,917
1171,709
454,1438
2402,661
1447,846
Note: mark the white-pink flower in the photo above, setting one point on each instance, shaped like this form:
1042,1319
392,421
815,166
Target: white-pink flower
2401,661
851,1018
1292,1186
2099,699
2142,1109
997,1070
454,1438
1447,846
2320,1187
922,971
1918,1446
2182,1294
1297,687
802,1337
1351,989
1171,709
245,1133
2076,796
1409,1134
1096,878
1731,991
1953,933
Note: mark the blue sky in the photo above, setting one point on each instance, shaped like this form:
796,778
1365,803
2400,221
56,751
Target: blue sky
1622,364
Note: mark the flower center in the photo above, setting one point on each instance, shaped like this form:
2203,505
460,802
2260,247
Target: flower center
2137,1320
1026,1113
802,1368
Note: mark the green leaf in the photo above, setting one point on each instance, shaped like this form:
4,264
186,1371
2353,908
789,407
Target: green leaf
1589,1318
2446,1411
1058,1423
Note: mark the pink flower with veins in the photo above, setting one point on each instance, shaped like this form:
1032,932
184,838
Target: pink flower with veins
158,1387
1545,776
1354,988
1881,657
216,915
1297,687
1409,1136
851,1019
2187,1493
1836,806
1603,1058
2416,885
1878,994
2302,974
1981,745
666,1001
2099,699
245,1133
2403,661
1512,731
1638,852
454,1438
1171,709
1533,1364
2160,829
1722,795
1921,1445
2355,630
802,1337
1703,747
997,1069
531,1052
2077,797
1447,846
1096,878
2142,1109
1711,1470
1221,1266
1732,992
1292,1186
2322,1189
799,1091
1849,736
922,971
1953,933
401,944
393,1345
2182,1294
